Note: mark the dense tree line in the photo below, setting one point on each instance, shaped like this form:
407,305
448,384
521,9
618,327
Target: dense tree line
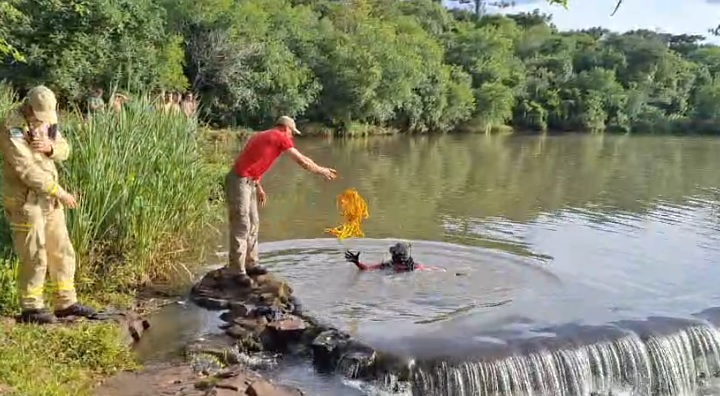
412,65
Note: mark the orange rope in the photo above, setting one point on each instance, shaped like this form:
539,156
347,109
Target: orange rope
354,209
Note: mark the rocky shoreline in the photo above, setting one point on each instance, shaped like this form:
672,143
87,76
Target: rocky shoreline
267,318
261,319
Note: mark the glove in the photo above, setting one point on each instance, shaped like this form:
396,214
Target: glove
352,258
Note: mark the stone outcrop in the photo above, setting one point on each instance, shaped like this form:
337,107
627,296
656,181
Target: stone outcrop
262,318
267,317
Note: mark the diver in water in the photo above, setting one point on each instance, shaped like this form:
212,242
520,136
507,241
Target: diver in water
400,261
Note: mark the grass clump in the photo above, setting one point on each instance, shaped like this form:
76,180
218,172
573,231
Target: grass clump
57,360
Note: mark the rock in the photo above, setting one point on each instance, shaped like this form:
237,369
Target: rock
218,290
294,306
279,334
213,304
357,363
264,388
153,380
246,340
267,317
238,309
205,363
237,331
204,384
327,348
133,323
271,313
279,290
213,353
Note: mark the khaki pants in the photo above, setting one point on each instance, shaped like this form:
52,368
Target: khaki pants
241,197
41,242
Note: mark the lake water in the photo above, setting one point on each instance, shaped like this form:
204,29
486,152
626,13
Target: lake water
529,233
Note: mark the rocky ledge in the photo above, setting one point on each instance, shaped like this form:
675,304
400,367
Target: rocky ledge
268,318
256,320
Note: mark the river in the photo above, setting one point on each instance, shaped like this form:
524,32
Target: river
528,232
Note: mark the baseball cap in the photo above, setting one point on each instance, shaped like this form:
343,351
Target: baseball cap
43,103
288,122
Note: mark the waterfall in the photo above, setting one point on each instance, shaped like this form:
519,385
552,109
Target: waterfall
658,356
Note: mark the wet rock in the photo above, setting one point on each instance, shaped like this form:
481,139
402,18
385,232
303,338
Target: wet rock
270,313
205,363
210,355
246,341
213,304
153,380
248,332
280,334
132,322
267,317
327,349
218,290
386,364
294,306
180,380
291,326
264,388
135,324
238,309
357,362
255,325
237,331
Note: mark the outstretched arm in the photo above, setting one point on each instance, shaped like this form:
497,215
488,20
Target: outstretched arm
310,165
355,259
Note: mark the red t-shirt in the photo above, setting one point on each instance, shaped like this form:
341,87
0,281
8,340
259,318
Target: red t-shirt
259,153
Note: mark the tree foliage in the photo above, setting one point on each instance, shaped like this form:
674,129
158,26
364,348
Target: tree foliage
411,65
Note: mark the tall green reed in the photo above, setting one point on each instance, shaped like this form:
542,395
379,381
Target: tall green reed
144,190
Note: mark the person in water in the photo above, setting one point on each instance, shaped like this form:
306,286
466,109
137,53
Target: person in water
400,260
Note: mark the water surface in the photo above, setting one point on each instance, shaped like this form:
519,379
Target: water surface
542,229
529,232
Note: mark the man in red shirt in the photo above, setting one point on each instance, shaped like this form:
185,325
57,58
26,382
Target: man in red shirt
243,192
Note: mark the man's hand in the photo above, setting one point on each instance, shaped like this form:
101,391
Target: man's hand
328,173
261,197
352,257
42,145
67,199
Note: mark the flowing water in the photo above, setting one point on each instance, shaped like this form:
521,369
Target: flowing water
566,265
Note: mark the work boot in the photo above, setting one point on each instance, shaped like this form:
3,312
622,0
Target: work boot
244,280
38,316
75,310
256,270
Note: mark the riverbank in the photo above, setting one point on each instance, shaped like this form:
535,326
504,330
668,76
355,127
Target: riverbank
68,357
144,196
266,318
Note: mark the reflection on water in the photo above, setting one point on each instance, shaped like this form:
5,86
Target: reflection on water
541,230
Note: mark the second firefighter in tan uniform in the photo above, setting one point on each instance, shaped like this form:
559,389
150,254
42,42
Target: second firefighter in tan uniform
33,200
